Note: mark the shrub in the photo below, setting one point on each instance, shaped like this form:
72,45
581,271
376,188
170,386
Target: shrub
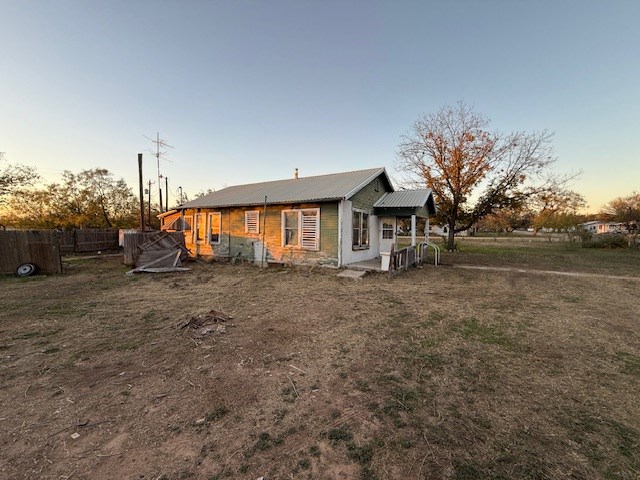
607,240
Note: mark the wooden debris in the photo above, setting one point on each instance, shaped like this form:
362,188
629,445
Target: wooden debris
206,323
157,270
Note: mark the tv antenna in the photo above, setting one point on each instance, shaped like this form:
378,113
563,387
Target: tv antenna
160,152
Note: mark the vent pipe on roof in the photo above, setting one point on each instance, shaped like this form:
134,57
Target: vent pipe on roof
295,173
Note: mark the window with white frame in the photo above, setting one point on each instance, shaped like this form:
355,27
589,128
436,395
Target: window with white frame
387,231
252,221
214,228
360,230
301,228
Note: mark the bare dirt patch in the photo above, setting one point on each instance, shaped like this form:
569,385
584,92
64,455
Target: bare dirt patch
435,373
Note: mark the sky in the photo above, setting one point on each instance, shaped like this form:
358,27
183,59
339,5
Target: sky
247,91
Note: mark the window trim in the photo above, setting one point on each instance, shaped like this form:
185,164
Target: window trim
248,225
301,227
359,245
387,230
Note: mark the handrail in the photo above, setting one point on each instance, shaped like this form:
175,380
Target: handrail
436,251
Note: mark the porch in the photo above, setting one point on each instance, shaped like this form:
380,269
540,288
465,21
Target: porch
398,260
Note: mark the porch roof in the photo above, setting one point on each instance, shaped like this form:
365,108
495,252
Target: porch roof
406,202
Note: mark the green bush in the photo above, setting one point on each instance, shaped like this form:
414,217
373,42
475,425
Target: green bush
607,240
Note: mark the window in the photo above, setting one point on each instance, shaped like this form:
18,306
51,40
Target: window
201,227
301,228
387,231
290,228
187,222
360,230
252,221
214,228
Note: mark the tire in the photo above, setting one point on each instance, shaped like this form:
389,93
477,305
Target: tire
26,270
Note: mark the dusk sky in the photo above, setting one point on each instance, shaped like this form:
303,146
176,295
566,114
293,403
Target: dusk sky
246,91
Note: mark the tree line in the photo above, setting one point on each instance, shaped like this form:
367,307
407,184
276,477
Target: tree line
479,177
91,198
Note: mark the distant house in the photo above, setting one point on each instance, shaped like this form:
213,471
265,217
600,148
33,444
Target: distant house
598,227
334,219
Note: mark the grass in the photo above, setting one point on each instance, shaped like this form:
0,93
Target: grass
542,255
433,373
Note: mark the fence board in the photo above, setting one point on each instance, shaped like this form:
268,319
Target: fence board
39,247
87,240
132,240
94,240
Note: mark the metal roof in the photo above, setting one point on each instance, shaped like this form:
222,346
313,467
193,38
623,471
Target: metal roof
407,199
336,186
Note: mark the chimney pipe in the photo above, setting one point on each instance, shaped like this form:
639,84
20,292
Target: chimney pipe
295,173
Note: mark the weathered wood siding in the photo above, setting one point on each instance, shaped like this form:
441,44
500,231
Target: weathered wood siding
236,243
367,196
39,247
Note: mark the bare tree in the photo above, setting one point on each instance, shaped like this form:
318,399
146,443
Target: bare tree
473,172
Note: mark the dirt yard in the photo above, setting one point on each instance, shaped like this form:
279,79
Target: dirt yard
437,373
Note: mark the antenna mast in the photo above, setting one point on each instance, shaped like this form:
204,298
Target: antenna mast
161,146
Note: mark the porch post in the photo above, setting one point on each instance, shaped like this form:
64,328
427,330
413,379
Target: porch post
413,230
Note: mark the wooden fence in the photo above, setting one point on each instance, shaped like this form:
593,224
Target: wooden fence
408,257
132,240
39,247
87,240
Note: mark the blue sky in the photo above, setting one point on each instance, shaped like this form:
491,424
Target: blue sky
246,91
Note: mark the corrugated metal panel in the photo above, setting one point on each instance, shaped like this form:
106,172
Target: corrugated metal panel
304,189
404,199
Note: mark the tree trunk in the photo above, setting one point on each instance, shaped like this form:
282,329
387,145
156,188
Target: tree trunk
451,241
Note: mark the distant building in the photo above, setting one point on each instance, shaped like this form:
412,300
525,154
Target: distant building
597,227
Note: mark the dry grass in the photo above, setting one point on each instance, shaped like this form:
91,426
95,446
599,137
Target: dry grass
436,373
537,253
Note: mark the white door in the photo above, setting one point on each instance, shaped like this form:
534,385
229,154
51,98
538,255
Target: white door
387,233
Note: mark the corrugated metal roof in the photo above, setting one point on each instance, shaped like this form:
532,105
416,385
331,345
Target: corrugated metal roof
335,186
404,199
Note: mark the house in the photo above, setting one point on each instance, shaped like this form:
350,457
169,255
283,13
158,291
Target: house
599,227
336,219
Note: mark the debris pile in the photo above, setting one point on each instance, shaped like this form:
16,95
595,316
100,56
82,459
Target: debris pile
205,324
161,253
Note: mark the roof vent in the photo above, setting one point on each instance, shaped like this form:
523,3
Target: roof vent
295,173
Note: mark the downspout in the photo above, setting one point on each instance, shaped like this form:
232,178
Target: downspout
340,207
263,253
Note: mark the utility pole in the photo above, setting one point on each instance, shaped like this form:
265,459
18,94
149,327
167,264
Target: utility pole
166,191
141,192
149,206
